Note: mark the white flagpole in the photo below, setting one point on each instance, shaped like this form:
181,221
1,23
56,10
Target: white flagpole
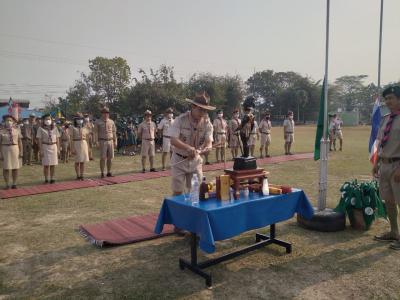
323,176
380,51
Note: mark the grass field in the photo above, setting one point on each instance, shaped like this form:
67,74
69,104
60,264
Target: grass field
43,256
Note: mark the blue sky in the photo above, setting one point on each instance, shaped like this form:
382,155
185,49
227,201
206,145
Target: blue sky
45,44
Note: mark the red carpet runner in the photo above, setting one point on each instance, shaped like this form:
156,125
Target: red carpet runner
93,182
123,231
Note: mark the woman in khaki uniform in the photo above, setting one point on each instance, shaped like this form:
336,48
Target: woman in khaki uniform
48,138
80,136
10,150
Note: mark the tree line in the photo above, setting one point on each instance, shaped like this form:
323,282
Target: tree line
110,82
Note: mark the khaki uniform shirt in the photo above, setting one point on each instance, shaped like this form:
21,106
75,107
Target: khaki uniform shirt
265,126
147,131
186,131
28,132
392,146
220,126
106,130
164,125
10,136
65,134
288,126
79,133
48,136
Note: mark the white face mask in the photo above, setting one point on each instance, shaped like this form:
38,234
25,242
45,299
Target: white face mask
47,122
79,122
220,115
170,116
9,123
87,120
26,122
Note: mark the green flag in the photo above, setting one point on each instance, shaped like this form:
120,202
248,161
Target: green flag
320,125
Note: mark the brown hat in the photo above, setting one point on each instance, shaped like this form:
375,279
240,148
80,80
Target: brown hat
78,115
105,109
9,116
202,100
147,113
169,110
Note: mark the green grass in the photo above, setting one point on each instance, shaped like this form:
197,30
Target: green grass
43,256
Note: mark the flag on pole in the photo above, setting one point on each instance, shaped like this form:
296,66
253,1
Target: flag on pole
10,105
373,141
320,125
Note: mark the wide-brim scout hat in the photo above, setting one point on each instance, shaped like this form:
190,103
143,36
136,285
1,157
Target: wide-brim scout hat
147,113
78,116
9,116
105,109
394,89
201,100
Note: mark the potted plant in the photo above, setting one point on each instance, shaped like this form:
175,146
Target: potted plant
361,203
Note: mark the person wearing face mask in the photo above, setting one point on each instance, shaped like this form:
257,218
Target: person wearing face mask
65,133
220,128
106,133
91,141
10,150
79,144
288,132
27,132
146,133
265,131
49,146
163,127
233,133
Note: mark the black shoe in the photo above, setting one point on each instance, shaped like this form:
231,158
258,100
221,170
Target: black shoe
78,178
52,181
102,175
13,186
153,170
81,178
109,174
207,163
267,155
46,181
143,170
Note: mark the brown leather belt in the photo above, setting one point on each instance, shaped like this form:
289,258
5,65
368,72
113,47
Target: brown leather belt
106,139
389,160
9,145
288,132
49,143
76,140
265,132
167,136
221,133
149,140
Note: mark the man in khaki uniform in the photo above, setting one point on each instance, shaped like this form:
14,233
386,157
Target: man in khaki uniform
288,132
147,132
163,127
107,140
65,132
265,131
220,130
233,133
28,135
191,135
388,166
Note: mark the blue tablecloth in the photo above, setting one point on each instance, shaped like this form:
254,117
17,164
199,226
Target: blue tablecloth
215,220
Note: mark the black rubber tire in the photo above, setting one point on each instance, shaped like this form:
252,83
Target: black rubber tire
326,221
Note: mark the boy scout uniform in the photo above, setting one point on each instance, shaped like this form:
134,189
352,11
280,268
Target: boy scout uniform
28,135
80,136
233,133
220,129
9,140
265,131
107,136
164,125
65,143
147,133
389,158
91,139
182,168
288,130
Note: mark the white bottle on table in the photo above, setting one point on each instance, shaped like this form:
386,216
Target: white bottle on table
265,187
195,190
